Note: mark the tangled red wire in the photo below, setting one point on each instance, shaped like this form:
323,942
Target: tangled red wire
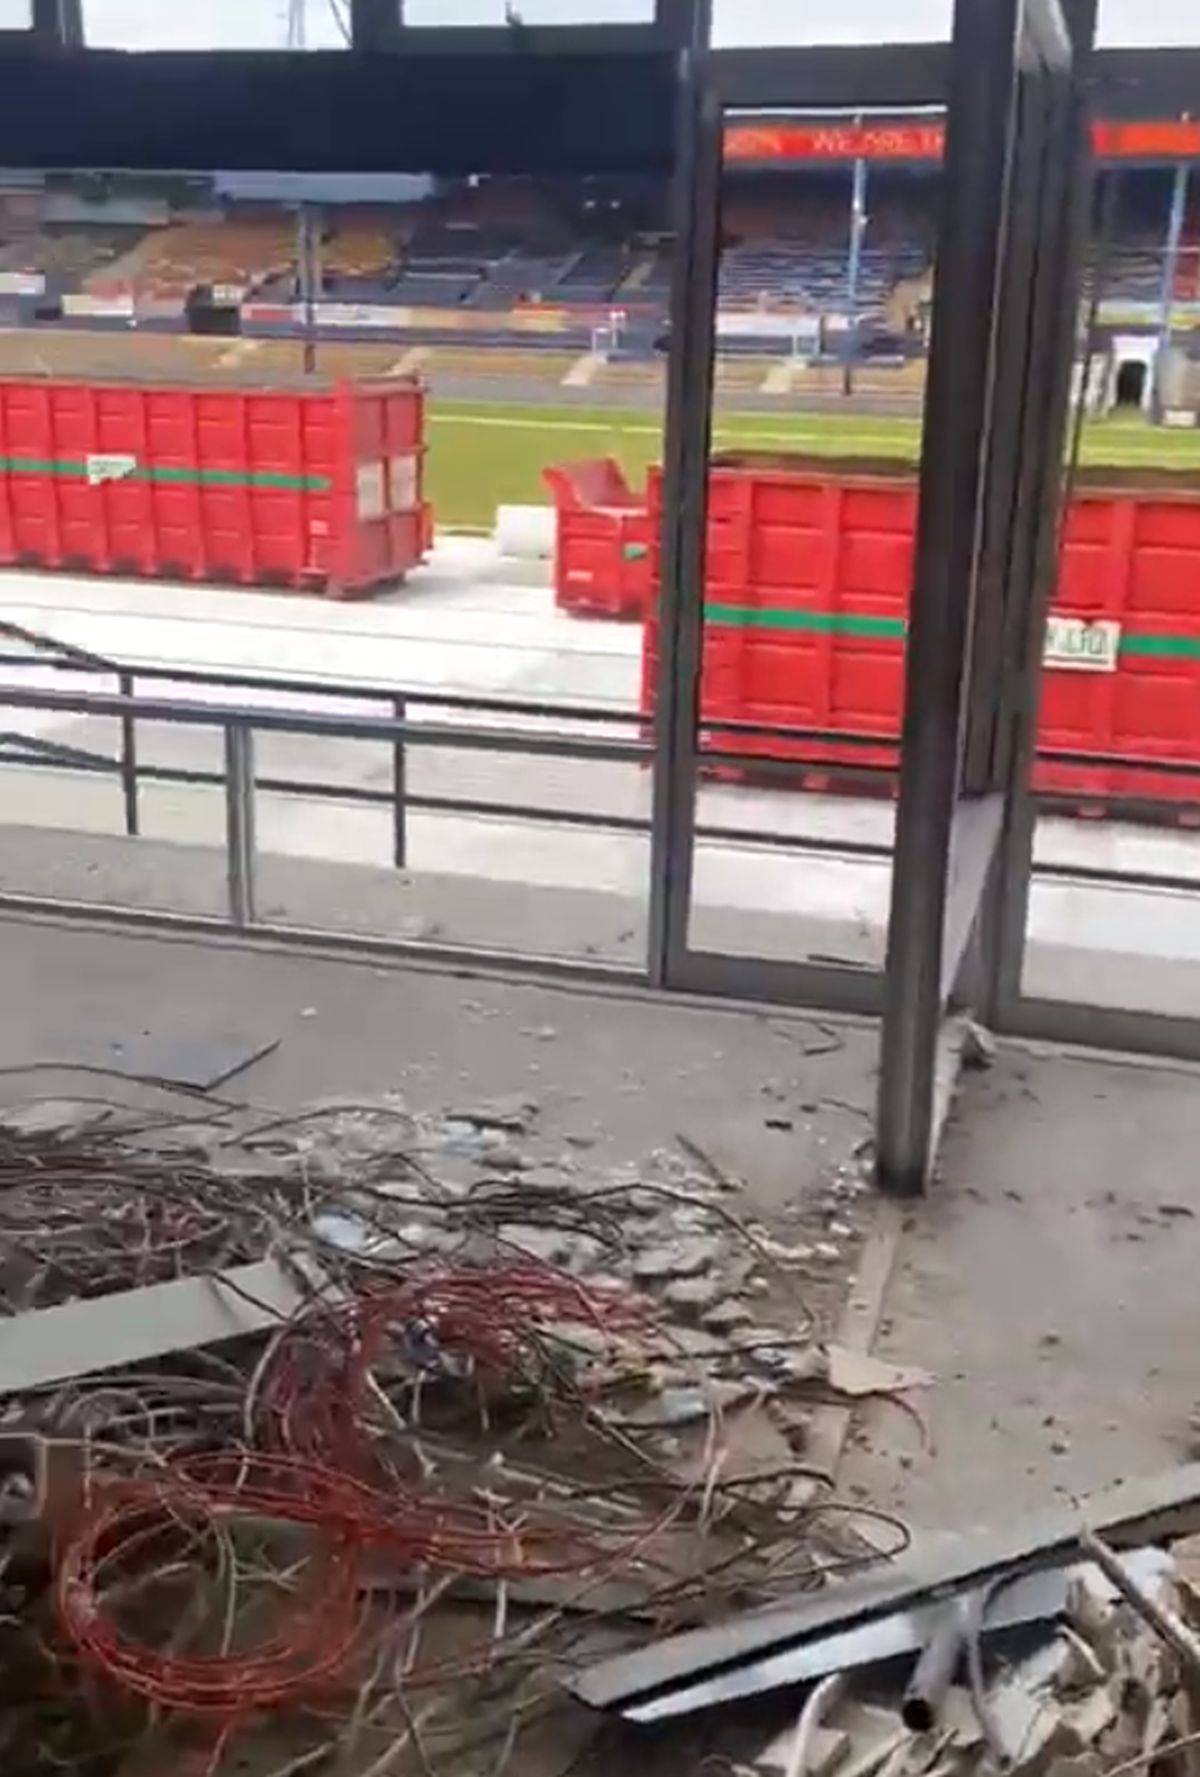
323,1470
307,1645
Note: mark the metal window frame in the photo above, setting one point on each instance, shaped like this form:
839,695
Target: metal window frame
57,23
674,24
995,419
1008,1007
570,111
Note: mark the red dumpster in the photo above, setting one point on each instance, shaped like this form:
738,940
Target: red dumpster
308,484
806,607
602,540
1123,642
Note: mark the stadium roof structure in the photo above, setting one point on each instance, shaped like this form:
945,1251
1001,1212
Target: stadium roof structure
569,99
1127,83
1144,102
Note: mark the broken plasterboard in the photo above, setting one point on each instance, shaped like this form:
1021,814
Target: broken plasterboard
51,1345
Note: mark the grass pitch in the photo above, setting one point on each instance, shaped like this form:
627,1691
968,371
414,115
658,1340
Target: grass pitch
482,456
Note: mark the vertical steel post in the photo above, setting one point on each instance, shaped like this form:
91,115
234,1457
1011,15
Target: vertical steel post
129,762
684,515
1166,301
957,409
858,228
374,24
239,823
1009,915
399,791
59,22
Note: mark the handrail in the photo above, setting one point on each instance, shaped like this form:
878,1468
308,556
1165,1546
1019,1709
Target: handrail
36,638
317,724
239,722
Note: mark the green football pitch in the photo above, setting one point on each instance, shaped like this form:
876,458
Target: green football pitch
482,456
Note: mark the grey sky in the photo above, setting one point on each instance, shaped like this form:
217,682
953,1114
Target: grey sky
205,23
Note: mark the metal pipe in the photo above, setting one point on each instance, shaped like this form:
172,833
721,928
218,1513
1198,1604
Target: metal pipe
399,791
822,1697
936,1665
129,760
239,823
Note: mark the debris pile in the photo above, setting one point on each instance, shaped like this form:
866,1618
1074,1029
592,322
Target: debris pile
371,1443
357,1431
1081,1690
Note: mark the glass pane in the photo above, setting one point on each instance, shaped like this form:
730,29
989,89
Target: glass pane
827,230
221,24
423,411
530,12
1114,916
747,23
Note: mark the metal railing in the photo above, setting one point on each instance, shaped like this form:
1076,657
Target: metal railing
419,718
422,718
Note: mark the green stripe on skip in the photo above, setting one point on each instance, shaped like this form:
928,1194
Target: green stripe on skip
894,629
840,623
1164,647
168,475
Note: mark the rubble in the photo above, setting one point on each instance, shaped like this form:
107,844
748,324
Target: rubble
691,1296
727,1315
258,1310
858,1374
685,1257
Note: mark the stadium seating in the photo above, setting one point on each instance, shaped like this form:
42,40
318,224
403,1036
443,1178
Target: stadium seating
66,257
518,279
359,256
231,251
593,276
786,275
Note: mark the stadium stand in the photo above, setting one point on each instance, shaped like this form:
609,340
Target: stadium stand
359,255
241,251
67,256
476,256
594,276
520,278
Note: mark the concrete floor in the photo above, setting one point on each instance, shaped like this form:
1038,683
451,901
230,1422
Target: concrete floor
1050,1283
628,1073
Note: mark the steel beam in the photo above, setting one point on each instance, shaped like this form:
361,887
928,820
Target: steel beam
58,23
561,113
1008,914
956,421
684,519
374,24
825,77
